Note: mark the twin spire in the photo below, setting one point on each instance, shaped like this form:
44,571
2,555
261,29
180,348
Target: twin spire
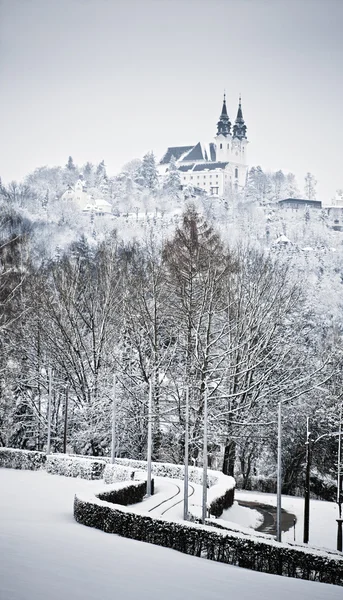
224,123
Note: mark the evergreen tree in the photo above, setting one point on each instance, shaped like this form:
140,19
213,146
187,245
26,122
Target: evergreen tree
70,164
149,172
310,186
172,179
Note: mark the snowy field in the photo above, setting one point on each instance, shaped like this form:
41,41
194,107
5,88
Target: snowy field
45,554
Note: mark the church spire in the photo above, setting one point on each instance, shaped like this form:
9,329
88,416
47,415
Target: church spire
240,128
224,124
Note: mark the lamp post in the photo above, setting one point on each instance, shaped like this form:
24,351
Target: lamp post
339,483
204,472
279,477
48,444
114,416
149,451
185,484
307,484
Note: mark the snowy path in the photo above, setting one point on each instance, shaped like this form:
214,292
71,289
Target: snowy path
323,515
45,554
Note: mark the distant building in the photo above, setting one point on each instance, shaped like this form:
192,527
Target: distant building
299,203
85,201
216,166
335,217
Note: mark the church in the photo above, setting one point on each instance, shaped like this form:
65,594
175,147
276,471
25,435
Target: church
216,167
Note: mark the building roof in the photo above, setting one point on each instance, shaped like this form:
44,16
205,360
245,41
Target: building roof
201,152
301,202
186,167
176,151
210,166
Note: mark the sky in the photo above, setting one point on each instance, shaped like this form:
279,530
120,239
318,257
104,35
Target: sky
114,79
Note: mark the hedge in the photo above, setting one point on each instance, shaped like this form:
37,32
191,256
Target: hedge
200,540
13,458
62,464
220,494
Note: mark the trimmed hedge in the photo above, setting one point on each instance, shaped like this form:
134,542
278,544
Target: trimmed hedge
220,494
219,498
61,464
13,458
126,495
232,548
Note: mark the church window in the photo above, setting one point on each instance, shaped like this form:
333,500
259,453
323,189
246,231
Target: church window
228,146
236,173
221,146
217,175
191,176
204,176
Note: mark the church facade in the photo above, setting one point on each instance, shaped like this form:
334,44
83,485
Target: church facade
218,166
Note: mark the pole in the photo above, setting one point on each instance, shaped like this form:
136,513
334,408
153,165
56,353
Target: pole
48,445
114,415
148,483
307,484
279,478
204,472
65,421
339,483
185,484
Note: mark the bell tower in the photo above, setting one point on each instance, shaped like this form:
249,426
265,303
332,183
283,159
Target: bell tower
223,139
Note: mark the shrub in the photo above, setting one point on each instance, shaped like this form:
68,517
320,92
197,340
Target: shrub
86,468
220,494
12,458
219,498
126,494
198,540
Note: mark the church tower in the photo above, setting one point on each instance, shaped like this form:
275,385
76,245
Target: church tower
223,138
239,141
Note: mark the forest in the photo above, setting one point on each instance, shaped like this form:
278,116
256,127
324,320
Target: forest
198,294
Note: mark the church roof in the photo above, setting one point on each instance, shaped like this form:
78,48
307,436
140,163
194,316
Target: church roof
210,166
186,167
176,151
201,152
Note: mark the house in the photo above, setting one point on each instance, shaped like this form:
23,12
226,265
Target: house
217,166
299,203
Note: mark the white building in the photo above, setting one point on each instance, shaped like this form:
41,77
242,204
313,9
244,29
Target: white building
85,201
218,166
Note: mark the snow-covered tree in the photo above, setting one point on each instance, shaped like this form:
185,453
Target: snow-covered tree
148,172
310,186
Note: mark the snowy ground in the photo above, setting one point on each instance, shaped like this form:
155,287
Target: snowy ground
323,515
45,554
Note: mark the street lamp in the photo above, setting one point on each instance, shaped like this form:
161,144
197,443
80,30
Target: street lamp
204,467
185,481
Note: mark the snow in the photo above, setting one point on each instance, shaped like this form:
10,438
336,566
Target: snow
323,515
241,515
46,554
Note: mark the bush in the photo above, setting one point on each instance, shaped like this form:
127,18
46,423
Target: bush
220,494
128,494
12,458
198,540
86,468
219,498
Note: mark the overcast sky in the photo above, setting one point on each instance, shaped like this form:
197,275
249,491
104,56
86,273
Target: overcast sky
113,79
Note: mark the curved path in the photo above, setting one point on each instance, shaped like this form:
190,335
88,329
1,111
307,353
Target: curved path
168,503
269,517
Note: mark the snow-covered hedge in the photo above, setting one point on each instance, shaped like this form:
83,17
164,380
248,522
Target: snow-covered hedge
125,493
12,458
221,487
219,498
71,466
200,540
